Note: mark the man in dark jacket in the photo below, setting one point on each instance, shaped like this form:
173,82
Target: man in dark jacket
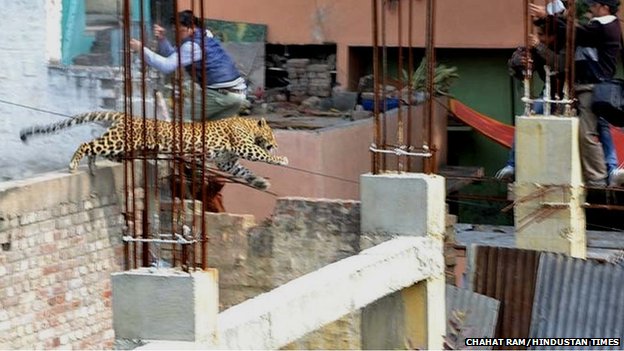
597,51
597,48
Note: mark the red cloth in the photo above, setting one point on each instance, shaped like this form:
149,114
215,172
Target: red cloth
491,128
504,134
618,140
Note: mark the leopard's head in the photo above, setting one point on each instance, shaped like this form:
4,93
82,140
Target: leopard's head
264,136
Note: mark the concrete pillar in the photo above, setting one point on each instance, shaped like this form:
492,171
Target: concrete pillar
404,320
411,204
407,204
166,304
549,192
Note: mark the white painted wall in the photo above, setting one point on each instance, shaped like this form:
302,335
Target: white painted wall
31,76
32,30
53,12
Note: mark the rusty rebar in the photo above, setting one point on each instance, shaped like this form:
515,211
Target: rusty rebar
399,131
384,83
410,72
569,61
528,72
129,172
376,125
429,166
204,227
145,214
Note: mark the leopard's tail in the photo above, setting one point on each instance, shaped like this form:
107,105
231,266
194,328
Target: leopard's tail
104,116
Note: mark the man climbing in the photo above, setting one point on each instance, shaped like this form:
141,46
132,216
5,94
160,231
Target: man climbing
594,62
215,75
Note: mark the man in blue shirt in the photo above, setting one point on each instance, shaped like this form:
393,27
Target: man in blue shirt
225,89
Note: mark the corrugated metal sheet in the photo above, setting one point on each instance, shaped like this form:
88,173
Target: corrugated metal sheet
507,275
481,313
578,298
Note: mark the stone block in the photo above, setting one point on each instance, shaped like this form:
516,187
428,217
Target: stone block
403,204
317,67
165,304
302,62
547,150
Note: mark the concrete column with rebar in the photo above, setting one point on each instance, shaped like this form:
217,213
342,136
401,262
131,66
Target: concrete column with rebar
548,191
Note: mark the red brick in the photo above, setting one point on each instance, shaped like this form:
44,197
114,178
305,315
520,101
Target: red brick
48,248
50,269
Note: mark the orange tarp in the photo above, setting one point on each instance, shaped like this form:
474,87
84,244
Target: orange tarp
499,132
503,133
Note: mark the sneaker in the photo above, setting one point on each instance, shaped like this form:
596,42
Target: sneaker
506,173
616,177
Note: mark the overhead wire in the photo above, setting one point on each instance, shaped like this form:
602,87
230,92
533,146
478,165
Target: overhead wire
35,108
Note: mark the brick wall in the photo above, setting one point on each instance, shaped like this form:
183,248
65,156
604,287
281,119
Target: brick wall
61,238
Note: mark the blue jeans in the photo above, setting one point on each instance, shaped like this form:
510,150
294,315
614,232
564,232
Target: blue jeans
606,139
604,135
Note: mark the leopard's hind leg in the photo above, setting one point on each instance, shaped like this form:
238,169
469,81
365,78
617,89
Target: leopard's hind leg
236,169
91,159
93,149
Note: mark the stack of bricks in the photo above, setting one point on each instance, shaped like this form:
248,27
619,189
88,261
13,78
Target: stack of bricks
308,79
298,77
319,80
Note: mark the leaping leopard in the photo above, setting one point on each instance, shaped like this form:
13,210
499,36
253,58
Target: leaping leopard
226,141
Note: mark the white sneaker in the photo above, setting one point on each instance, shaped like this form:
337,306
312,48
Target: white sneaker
616,177
505,173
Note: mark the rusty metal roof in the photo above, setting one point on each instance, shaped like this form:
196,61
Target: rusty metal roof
480,313
508,275
578,298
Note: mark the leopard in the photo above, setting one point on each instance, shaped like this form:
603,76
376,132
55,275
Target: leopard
224,143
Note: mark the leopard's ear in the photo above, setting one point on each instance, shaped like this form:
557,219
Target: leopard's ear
262,122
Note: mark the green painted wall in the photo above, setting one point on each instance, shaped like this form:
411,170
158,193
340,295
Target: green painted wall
485,86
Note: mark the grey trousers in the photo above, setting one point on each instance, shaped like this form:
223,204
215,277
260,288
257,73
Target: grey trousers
592,155
217,105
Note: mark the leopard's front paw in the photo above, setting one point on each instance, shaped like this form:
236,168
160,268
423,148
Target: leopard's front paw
282,160
260,183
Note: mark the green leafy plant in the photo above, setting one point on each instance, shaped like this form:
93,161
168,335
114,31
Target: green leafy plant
442,80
